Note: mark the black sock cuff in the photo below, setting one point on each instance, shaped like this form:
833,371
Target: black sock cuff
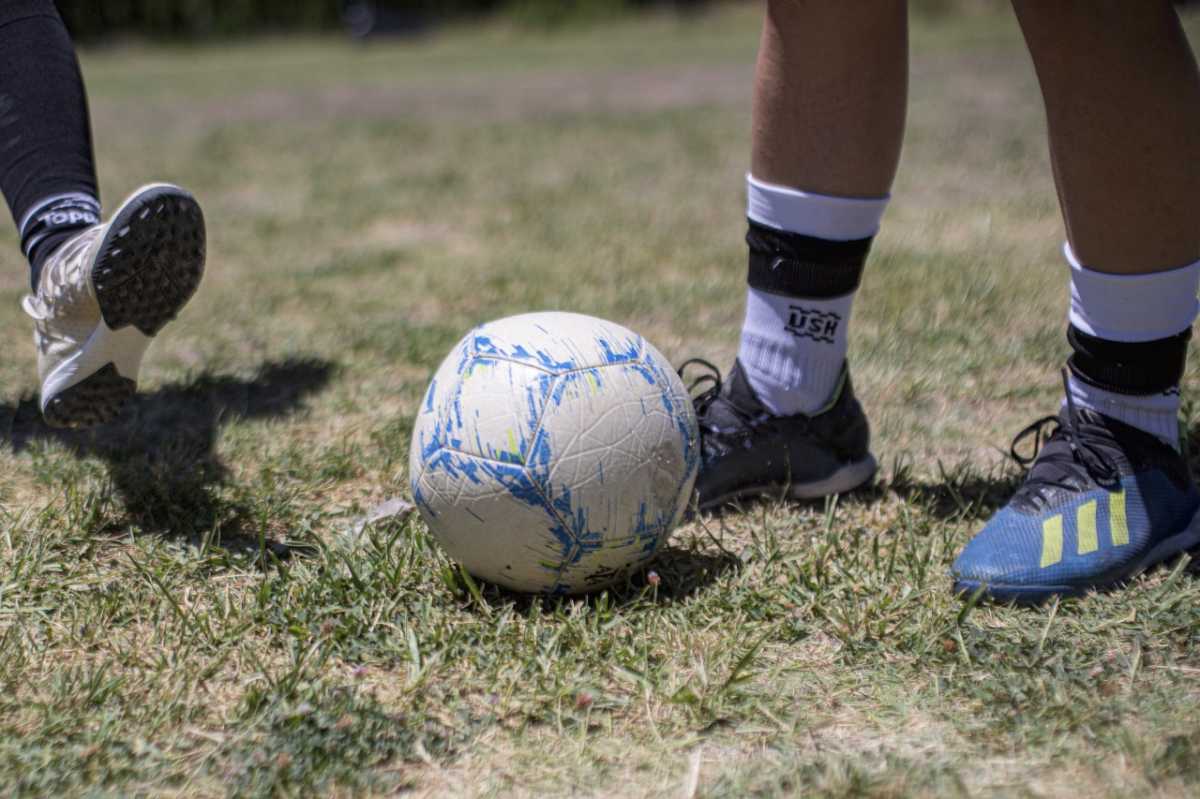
804,266
54,215
50,223
1135,368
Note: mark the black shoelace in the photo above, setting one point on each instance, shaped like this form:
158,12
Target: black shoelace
726,423
722,422
706,387
1058,466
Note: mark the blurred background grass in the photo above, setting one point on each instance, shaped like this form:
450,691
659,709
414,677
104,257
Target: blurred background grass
198,19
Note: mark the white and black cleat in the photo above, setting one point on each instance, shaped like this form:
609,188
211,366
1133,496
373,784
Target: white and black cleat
102,297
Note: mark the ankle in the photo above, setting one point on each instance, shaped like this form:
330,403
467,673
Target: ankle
1156,414
51,223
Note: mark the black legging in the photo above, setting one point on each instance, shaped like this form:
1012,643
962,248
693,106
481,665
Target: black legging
47,173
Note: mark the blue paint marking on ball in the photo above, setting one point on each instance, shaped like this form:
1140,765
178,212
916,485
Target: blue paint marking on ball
575,532
680,414
528,483
524,474
420,500
535,413
550,363
646,372
457,406
455,464
470,469
464,358
560,388
515,479
484,345
649,533
631,353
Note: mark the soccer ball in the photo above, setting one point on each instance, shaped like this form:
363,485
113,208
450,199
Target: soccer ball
553,452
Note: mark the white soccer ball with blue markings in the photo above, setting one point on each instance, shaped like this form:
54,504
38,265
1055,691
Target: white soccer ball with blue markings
553,452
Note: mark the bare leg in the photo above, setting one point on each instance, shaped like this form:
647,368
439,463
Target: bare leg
1122,98
1123,104
830,95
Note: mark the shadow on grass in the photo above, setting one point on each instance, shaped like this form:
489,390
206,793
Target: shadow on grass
958,493
963,492
160,452
673,574
966,493
681,572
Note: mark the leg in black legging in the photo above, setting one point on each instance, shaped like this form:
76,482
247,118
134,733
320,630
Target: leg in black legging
47,173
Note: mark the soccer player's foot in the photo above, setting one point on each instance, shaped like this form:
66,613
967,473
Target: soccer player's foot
746,451
104,294
1102,502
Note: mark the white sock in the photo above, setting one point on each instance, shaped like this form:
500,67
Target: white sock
1133,308
1157,414
793,348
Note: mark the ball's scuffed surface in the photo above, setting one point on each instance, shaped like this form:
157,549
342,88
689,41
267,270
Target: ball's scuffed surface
553,452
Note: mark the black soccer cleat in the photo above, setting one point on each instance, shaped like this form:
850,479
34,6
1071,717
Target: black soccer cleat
745,451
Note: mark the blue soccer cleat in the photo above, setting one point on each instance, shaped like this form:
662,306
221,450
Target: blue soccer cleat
1102,502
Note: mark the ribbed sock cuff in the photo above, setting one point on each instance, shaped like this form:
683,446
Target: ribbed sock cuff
50,222
1132,308
822,216
1156,414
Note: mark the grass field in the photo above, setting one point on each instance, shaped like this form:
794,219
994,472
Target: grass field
183,613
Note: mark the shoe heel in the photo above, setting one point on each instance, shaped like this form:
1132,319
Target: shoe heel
849,477
93,401
110,360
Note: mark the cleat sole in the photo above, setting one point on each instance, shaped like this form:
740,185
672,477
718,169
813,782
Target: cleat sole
151,259
95,400
846,479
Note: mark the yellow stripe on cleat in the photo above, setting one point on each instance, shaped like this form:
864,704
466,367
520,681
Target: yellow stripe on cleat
1052,535
1118,527
1086,522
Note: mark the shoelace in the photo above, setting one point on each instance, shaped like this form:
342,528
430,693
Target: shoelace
705,390
1092,458
706,387
724,422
